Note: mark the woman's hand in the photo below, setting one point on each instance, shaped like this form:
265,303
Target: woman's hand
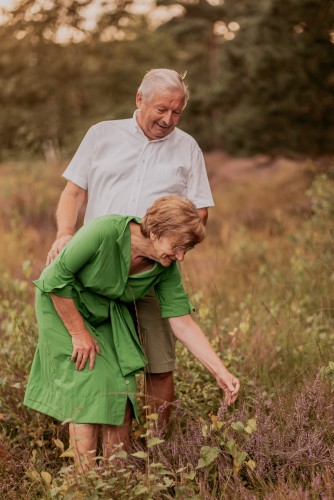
84,346
230,385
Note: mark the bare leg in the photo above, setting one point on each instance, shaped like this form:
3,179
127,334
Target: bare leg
159,390
83,440
113,435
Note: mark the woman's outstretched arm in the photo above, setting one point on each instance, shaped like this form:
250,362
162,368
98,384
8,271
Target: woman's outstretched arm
190,334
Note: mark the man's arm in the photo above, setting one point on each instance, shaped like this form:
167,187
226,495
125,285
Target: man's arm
203,213
70,203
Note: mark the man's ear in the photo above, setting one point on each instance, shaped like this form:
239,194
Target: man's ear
139,99
152,236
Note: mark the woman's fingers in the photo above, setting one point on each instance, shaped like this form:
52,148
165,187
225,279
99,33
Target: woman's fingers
81,357
82,350
230,386
91,360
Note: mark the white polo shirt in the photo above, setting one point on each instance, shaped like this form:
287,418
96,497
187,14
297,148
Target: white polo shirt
124,172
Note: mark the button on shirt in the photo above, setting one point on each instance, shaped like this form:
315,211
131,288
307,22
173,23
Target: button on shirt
125,173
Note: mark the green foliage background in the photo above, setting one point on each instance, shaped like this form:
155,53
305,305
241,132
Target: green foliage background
262,285
269,89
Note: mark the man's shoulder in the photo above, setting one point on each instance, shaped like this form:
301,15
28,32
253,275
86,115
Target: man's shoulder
108,222
111,223
112,125
182,136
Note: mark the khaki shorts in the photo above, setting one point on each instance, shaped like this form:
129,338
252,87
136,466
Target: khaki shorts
156,336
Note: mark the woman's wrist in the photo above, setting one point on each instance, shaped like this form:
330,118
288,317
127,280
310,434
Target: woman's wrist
78,333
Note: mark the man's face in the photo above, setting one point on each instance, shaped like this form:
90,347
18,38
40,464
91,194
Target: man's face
159,114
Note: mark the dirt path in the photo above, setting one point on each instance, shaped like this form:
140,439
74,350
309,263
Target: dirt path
225,169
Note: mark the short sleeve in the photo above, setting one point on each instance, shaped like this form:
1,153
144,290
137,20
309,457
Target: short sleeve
79,167
198,189
171,295
58,277
55,279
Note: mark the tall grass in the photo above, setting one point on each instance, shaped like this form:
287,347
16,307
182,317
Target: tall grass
262,285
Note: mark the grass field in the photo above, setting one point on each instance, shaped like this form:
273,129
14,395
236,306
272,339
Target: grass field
262,283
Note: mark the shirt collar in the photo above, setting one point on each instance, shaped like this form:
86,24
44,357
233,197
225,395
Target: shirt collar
124,242
137,130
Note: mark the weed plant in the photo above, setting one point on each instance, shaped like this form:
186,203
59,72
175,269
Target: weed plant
262,287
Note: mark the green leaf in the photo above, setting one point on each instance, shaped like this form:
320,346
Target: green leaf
68,454
238,426
208,455
190,475
241,457
156,465
164,472
182,469
140,454
33,474
67,421
252,424
201,463
231,447
59,444
250,464
168,481
46,476
244,327
205,431
152,416
154,441
140,489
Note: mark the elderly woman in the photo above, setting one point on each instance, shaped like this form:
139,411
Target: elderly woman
88,351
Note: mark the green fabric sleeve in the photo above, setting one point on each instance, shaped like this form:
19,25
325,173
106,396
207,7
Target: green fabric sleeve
171,295
58,277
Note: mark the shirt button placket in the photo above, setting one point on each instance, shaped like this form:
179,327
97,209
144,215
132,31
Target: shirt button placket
137,184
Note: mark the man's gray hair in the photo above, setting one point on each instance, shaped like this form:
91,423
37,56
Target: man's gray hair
163,79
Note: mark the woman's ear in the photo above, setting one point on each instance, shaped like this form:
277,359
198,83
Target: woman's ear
152,236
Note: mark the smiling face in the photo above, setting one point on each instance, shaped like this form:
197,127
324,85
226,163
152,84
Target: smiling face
165,252
159,115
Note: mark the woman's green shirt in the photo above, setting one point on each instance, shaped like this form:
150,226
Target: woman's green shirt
93,270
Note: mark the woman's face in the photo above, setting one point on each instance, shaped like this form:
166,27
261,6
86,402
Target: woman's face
165,252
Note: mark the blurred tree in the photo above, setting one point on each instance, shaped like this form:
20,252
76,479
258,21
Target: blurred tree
278,88
199,47
40,89
51,92
261,74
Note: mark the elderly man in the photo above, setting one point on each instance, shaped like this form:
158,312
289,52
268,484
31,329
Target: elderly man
122,167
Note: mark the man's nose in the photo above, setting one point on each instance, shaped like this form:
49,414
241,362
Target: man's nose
167,117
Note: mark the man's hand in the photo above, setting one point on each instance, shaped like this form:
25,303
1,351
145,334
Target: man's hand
57,246
84,346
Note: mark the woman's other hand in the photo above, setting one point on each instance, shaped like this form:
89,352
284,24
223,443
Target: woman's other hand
85,347
84,344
